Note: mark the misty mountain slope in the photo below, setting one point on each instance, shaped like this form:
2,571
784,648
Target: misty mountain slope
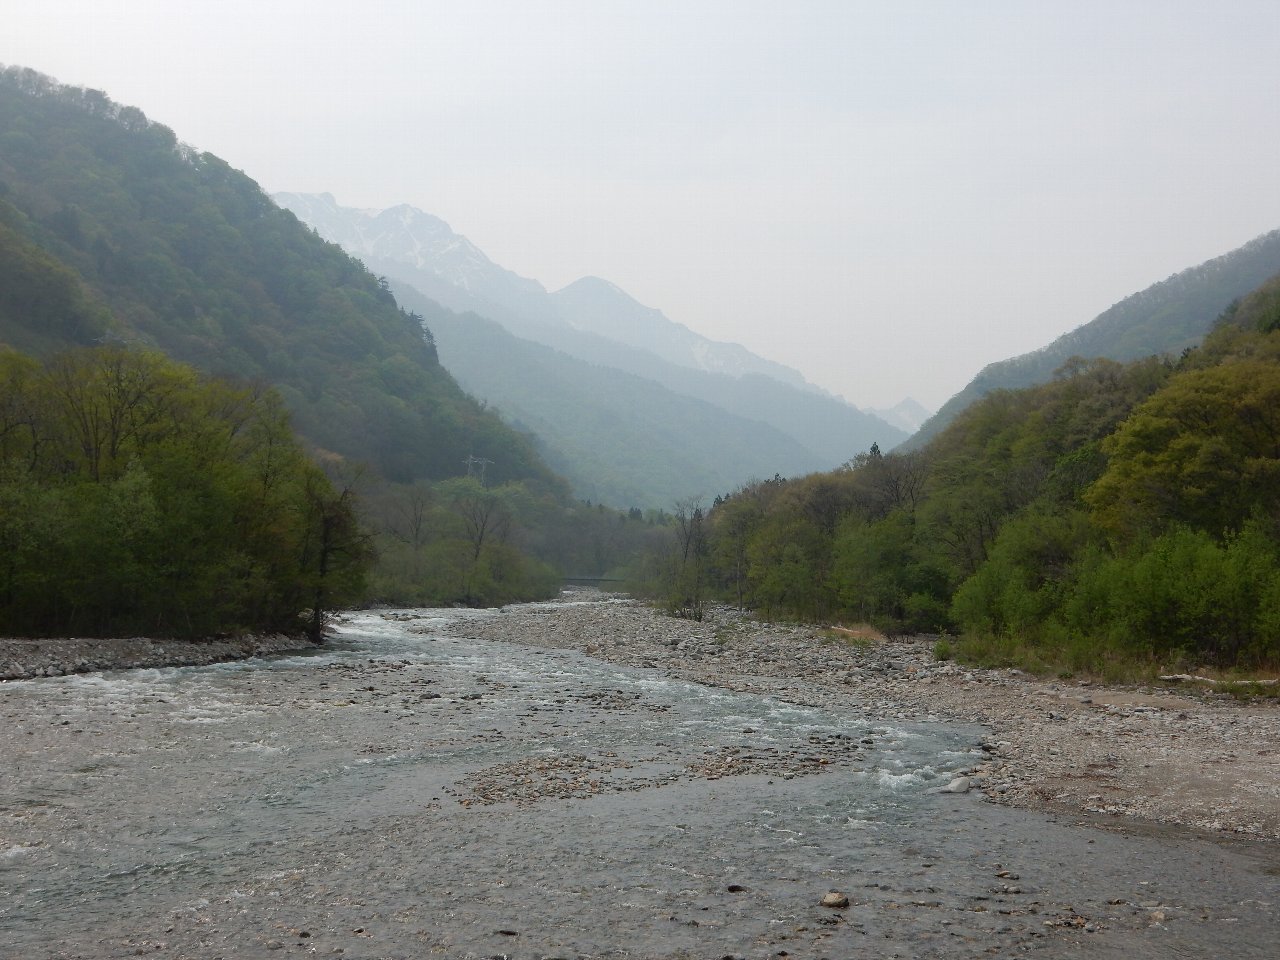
444,265
113,230
600,307
619,439
1165,318
426,253
832,430
908,415
595,321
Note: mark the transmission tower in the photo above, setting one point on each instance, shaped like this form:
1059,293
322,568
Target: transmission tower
472,463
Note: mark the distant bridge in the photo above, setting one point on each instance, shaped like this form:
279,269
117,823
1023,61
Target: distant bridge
591,581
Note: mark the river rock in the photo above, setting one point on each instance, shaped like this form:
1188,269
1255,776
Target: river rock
835,900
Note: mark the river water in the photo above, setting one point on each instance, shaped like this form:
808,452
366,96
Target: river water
402,793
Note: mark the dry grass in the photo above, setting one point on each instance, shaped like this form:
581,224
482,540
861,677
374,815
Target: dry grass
859,634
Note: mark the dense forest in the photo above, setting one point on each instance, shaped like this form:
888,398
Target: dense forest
137,496
165,329
114,233
1120,514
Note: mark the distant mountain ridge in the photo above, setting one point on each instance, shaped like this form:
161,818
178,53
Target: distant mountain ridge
797,427
908,414
405,237
1165,318
619,439
598,306
446,266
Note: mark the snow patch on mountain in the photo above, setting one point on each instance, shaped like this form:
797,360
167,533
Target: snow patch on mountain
406,235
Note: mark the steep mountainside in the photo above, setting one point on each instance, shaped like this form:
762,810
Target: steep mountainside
1121,519
1166,318
110,229
598,306
445,266
423,251
598,323
620,439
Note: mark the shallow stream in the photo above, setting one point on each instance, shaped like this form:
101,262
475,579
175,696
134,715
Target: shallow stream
401,793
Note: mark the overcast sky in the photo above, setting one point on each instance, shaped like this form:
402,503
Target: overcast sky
886,196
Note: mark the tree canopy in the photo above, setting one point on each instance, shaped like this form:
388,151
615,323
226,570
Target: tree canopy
138,496
1118,511
113,230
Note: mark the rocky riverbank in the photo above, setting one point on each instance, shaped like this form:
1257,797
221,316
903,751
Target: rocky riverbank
1155,754
405,793
22,659
1162,754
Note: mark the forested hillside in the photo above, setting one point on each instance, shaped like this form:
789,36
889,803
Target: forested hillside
1121,513
1166,318
147,241
139,497
115,234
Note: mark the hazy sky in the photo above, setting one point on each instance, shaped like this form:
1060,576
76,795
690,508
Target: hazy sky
886,196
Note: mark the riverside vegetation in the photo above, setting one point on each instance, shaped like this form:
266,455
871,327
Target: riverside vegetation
125,253
1122,518
139,497
1120,515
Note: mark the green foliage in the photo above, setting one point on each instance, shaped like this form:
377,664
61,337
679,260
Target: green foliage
887,576
42,302
460,542
1116,520
1021,582
137,497
106,211
111,230
1204,451
1185,595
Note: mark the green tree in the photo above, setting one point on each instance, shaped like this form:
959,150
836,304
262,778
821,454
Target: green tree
141,498
1204,451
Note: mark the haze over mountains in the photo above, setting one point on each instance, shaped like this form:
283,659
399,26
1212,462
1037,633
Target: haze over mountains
111,230
633,407
1117,506
451,270
1164,319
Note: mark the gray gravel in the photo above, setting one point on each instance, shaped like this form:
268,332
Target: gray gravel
1156,754
408,791
22,659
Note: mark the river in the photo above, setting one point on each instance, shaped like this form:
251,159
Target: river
406,793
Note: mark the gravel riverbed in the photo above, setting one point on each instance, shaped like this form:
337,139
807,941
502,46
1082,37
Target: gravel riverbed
1162,755
24,659
591,779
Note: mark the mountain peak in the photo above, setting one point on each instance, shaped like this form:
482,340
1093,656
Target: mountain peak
593,282
407,236
907,414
